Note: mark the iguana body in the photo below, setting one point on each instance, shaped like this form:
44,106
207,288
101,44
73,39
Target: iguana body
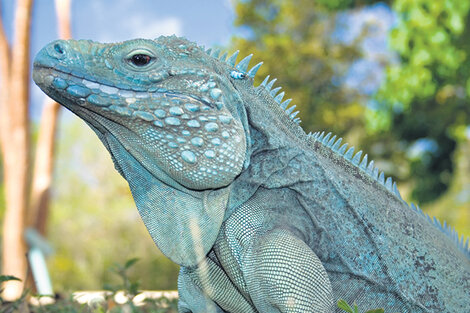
261,216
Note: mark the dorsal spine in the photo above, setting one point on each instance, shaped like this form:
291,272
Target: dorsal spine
379,176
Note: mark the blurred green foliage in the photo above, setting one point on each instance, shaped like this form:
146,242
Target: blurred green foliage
94,223
336,5
426,96
131,287
454,205
294,40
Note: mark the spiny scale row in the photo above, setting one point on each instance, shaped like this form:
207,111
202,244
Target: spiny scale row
369,167
355,159
461,243
242,66
273,92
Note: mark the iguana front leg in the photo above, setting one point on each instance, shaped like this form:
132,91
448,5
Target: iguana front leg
284,275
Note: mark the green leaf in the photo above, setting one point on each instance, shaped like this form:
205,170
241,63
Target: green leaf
468,87
7,278
134,288
110,287
344,306
376,311
130,262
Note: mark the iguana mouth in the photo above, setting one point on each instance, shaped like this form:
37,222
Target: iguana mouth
106,95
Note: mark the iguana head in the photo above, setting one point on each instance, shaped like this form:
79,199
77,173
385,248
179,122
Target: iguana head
176,101
173,121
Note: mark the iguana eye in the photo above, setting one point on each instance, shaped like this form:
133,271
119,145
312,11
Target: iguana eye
140,59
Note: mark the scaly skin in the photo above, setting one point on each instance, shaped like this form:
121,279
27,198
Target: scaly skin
261,216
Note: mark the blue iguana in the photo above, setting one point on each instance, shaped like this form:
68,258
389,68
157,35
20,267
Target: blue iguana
260,216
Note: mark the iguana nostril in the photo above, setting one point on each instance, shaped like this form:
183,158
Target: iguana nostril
58,48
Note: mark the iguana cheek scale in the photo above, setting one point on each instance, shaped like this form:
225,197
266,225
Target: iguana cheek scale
261,216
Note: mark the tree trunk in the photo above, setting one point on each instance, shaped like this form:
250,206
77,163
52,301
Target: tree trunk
15,148
4,83
43,165
44,160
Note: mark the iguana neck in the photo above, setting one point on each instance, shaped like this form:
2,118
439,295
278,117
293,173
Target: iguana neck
275,142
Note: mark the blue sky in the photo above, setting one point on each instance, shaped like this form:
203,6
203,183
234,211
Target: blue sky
378,19
205,21
208,22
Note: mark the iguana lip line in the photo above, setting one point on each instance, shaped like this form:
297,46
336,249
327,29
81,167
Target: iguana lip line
89,111
86,81
58,70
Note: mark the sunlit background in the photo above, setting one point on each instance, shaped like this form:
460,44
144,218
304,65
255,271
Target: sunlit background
391,77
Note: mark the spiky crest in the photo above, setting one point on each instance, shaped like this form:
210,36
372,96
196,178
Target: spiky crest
223,57
372,171
241,71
